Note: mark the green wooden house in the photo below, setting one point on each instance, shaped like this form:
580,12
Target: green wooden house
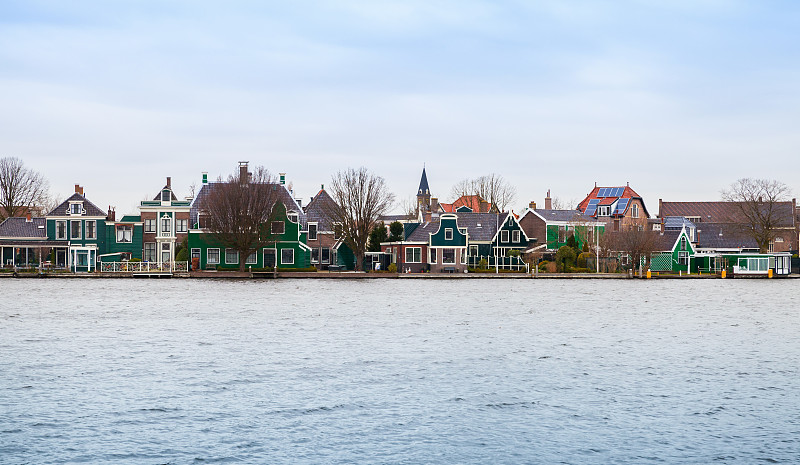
553,228
448,245
79,227
122,240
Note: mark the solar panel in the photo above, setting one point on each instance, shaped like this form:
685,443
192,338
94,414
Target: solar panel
602,192
621,206
620,191
615,192
592,207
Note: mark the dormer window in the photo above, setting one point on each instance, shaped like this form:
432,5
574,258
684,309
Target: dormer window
165,197
75,209
293,217
448,234
604,210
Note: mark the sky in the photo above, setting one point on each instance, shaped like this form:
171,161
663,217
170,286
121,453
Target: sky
678,98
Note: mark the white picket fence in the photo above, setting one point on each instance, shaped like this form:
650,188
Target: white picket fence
144,267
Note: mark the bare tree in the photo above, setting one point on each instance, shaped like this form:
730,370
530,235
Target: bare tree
559,203
492,187
763,205
361,197
21,188
635,242
240,211
408,207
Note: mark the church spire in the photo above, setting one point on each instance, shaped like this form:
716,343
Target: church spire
423,184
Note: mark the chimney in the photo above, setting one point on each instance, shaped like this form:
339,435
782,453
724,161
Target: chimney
532,205
322,187
28,218
244,177
660,204
548,202
169,182
484,207
434,203
112,214
205,177
283,179
78,189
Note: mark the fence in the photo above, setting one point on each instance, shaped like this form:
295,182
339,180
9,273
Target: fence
502,263
144,267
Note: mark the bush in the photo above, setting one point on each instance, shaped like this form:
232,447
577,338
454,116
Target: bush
582,261
183,256
135,260
483,264
543,266
565,258
513,253
392,268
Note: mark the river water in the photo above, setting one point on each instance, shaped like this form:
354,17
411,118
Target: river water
399,371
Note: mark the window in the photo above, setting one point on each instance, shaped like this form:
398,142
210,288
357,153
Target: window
635,211
448,256
515,236
504,236
287,256
473,250
212,257
195,254
150,251
771,247
166,226
75,209
656,226
604,210
326,255
91,230
433,256
150,225
312,231
278,227
337,231
683,258
683,243
778,239
562,234
463,258
252,259
315,255
181,226
413,254
61,229
75,229
165,197
269,258
292,217
448,234
124,233
231,257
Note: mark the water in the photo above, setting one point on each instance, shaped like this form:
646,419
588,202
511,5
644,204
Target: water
399,371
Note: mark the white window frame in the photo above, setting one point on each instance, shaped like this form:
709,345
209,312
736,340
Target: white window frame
93,233
228,262
454,256
287,262
312,237
252,259
80,229
123,228
473,251
181,226
322,258
208,256
65,230
463,256
194,253
504,236
154,256
448,234
274,224
72,209
166,231
683,258
150,225
516,236
315,251
432,256
416,252
635,211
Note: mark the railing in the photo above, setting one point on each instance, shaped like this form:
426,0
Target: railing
144,267
502,263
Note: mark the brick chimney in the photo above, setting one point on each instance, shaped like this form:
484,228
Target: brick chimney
484,207
112,214
532,205
434,204
244,176
548,202
28,217
169,182
78,189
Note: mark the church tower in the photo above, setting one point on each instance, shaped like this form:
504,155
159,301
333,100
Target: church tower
423,194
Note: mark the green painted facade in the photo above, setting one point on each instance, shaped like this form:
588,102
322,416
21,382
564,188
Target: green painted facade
440,237
679,259
115,242
583,233
288,251
514,235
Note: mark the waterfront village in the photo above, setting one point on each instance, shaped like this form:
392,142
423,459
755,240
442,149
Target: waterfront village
471,235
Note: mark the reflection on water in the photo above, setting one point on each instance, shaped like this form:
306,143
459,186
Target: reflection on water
399,371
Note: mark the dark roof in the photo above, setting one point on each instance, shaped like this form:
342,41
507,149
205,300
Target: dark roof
284,195
619,192
480,226
666,240
319,211
677,222
387,219
423,232
720,212
724,236
63,208
565,215
423,184
172,194
21,228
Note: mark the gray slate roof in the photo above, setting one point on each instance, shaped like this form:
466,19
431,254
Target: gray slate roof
565,215
63,208
677,222
423,232
481,226
722,212
666,240
318,210
19,227
723,236
283,195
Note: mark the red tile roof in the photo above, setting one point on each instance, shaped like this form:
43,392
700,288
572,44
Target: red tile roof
627,193
470,201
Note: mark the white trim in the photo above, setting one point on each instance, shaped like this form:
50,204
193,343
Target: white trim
226,256
287,263
208,261
407,249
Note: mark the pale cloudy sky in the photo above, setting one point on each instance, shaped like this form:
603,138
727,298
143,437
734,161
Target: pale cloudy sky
679,98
